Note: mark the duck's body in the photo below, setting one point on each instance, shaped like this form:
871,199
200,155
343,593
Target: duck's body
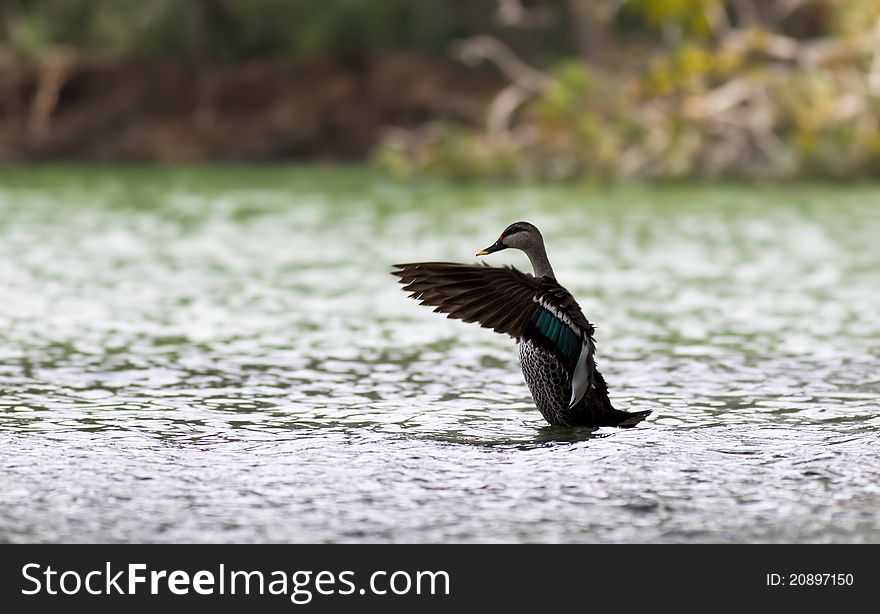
556,345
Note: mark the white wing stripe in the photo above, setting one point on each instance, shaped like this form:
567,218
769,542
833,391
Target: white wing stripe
580,378
560,315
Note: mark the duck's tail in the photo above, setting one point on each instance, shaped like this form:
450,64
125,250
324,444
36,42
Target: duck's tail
600,412
625,419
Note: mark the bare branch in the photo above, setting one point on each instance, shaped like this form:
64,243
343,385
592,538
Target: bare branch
479,48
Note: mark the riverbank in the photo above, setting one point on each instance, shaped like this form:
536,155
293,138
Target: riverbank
136,111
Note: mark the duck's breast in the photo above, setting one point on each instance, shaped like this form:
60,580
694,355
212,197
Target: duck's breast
548,381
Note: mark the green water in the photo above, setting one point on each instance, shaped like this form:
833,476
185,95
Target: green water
221,355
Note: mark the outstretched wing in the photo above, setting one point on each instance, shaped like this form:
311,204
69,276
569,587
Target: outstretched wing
498,298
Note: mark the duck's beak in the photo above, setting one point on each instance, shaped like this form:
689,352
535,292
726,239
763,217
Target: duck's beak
495,247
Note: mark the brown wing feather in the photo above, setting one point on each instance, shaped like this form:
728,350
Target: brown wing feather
498,298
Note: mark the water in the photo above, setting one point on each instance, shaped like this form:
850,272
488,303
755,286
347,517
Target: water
221,356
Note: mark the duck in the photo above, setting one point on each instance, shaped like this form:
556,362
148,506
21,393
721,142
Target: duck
556,342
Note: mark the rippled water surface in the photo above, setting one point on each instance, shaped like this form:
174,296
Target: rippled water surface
221,355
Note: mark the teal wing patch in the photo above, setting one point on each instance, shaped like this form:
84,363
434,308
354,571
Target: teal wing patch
548,331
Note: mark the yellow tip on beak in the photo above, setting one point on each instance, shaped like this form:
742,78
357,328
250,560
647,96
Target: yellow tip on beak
482,252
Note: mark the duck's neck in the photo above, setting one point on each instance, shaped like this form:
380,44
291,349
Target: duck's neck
540,263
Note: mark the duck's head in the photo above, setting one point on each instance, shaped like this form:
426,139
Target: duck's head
519,235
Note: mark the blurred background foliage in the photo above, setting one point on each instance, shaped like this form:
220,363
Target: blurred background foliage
236,30
604,88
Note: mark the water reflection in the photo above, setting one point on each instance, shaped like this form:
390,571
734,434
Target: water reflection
557,434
